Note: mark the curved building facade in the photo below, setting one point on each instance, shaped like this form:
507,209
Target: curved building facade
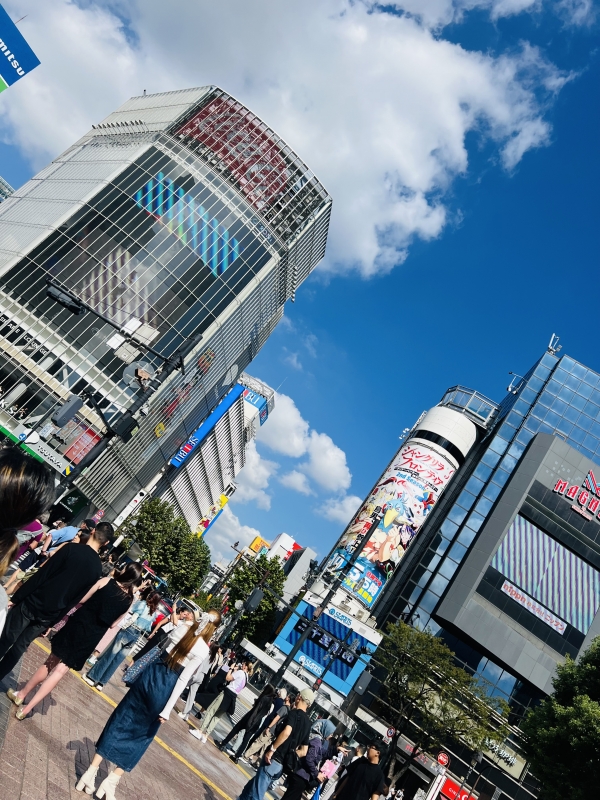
182,223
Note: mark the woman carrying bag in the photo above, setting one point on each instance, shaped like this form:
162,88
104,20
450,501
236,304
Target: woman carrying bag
136,720
307,776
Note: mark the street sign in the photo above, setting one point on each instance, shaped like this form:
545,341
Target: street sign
443,759
390,733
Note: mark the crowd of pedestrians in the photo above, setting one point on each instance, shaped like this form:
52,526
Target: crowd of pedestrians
95,610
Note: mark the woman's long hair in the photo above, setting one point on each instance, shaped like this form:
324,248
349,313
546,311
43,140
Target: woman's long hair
189,639
26,491
153,598
129,577
262,704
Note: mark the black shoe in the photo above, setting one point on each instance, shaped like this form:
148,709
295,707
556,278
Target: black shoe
220,746
235,759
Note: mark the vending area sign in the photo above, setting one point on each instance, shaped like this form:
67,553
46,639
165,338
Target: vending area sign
586,497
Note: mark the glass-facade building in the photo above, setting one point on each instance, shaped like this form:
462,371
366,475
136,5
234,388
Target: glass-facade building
507,567
183,224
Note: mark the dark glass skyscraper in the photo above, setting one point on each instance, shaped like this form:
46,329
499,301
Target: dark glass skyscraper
506,568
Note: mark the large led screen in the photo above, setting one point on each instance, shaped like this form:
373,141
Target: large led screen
550,574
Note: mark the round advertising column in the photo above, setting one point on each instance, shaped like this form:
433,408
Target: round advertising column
406,493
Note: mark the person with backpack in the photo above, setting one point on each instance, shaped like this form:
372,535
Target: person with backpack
308,775
236,680
284,753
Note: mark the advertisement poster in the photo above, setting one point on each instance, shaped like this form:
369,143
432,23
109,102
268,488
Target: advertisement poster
406,494
16,57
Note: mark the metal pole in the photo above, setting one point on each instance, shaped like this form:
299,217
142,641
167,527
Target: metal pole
279,675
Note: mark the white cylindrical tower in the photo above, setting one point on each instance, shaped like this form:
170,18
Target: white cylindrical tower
406,493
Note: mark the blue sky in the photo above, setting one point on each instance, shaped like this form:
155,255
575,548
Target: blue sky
465,205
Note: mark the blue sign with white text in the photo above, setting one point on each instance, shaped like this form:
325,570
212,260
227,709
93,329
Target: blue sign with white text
258,401
209,423
16,57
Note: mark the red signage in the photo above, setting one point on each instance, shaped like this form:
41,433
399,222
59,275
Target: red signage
443,759
453,790
242,143
587,496
82,445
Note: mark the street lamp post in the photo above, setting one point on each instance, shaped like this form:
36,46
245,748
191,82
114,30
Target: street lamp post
279,675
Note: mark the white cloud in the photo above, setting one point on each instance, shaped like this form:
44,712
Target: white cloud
254,478
297,481
225,532
293,361
378,105
340,509
327,463
286,431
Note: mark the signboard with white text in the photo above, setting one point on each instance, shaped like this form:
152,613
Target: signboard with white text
16,56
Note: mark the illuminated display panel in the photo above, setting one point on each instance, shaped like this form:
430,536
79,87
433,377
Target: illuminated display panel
549,573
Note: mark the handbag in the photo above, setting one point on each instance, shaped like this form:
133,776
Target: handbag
133,672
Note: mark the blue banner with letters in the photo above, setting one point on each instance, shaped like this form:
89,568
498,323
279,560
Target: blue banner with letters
16,57
258,401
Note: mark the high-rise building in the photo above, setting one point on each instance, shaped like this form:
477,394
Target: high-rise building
142,270
200,478
5,189
506,566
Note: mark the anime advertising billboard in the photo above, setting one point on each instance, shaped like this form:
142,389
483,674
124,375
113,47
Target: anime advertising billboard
405,493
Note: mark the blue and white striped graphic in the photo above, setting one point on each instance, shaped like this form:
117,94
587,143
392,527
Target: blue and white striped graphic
550,573
189,221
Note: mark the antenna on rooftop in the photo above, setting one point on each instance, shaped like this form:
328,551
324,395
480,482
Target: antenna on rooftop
554,345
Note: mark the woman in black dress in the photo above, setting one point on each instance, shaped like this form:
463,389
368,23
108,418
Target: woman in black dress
106,601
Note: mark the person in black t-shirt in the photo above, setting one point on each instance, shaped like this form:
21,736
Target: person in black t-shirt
364,779
46,597
295,734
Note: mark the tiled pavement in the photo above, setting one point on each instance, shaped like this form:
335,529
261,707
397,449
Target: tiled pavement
43,756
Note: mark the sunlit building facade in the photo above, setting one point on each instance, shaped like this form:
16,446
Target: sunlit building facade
181,224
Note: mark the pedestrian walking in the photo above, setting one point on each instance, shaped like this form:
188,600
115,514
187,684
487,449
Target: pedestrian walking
26,492
345,757
106,601
183,616
263,740
224,703
364,779
198,678
293,740
53,590
142,613
308,775
250,722
136,720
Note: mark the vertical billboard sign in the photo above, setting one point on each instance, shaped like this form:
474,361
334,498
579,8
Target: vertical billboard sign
16,57
405,493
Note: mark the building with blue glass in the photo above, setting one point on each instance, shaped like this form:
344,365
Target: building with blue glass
506,567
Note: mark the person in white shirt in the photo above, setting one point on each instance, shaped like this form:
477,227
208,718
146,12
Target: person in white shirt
136,720
224,703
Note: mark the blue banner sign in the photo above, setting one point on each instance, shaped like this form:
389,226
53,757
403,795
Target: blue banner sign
209,423
16,57
258,401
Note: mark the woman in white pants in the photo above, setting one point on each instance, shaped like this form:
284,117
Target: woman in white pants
198,679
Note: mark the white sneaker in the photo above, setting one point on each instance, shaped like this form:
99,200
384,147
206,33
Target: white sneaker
197,735
89,681
182,715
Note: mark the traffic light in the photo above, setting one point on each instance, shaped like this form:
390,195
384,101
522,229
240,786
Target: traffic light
67,411
361,685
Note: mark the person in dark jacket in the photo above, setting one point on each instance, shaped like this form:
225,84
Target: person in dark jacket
105,602
49,594
307,776
250,722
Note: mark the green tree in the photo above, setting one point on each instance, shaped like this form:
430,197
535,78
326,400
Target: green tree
258,625
173,551
428,697
563,732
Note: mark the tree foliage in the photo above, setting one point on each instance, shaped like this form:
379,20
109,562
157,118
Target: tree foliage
430,698
563,732
173,551
256,626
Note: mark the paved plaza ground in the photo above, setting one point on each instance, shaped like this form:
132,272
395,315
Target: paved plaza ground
42,757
